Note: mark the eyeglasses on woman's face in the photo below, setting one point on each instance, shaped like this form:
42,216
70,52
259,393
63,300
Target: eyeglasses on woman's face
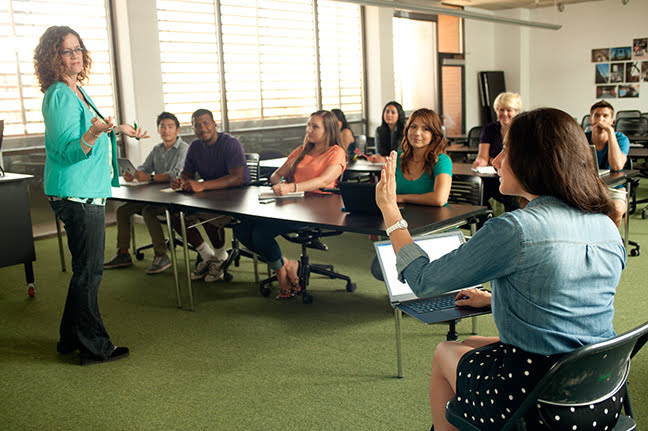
69,52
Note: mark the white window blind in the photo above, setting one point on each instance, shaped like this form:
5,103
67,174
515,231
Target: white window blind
189,55
21,25
270,58
340,56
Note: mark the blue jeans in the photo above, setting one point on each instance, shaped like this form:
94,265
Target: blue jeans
81,325
259,236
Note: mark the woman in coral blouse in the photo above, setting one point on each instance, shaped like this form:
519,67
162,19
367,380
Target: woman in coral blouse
316,164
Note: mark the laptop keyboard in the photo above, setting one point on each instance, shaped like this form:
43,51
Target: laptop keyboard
437,303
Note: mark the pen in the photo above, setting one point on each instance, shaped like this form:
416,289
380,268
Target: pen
135,127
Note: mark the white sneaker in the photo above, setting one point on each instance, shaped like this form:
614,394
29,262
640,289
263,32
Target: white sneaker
201,270
214,273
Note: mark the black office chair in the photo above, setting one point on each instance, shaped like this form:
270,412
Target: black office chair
628,113
473,136
468,189
586,123
637,126
310,237
584,377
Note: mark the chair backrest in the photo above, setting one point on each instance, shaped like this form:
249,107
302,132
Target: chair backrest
632,126
587,375
252,160
473,136
586,122
466,189
628,113
644,115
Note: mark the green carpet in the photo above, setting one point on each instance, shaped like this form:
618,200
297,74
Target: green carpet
240,361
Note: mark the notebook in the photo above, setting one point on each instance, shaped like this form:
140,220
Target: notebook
431,309
600,171
125,166
359,198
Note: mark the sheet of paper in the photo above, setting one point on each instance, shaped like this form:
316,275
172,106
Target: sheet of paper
123,182
485,170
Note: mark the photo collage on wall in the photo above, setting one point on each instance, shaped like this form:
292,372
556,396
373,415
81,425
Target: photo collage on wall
618,71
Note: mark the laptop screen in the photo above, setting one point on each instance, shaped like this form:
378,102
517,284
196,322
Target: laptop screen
435,246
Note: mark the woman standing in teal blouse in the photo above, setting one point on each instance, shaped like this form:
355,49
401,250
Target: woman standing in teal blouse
424,171
80,168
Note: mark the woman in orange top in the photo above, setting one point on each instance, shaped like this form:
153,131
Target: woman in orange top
317,163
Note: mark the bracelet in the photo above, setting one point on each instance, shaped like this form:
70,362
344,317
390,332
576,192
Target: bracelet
83,141
93,134
295,186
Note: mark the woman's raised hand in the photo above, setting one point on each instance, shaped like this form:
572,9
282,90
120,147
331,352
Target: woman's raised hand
131,131
386,187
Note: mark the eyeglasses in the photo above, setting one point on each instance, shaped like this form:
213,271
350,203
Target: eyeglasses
69,52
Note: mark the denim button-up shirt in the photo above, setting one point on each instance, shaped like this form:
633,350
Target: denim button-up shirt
553,271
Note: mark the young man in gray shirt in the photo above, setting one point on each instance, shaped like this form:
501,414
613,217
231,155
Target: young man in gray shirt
163,164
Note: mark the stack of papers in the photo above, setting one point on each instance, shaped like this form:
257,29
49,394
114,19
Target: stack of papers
485,170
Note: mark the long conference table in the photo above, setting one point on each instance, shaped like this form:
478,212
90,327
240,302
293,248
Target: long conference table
314,210
611,179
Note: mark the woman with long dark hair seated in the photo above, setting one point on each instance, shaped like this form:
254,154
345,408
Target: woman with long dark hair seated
553,267
389,134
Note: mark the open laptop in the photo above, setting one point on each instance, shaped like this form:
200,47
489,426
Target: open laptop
429,310
125,165
600,171
359,198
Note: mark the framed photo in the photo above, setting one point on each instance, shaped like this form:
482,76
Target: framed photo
617,72
644,71
640,49
602,75
621,54
600,55
606,91
629,90
632,72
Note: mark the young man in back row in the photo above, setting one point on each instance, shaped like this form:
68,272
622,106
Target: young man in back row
162,165
219,160
611,149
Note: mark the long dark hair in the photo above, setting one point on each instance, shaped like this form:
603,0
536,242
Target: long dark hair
48,65
384,135
549,154
341,118
332,131
437,145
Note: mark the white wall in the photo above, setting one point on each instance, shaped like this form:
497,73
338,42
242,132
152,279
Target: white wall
553,67
561,73
140,71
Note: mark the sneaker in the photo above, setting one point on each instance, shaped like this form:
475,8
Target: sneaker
160,263
201,270
214,273
121,260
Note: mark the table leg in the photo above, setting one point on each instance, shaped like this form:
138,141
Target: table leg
398,317
183,223
174,258
626,236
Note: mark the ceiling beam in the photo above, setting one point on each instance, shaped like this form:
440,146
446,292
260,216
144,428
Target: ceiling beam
440,10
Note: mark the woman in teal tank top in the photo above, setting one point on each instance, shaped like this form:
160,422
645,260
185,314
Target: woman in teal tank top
424,171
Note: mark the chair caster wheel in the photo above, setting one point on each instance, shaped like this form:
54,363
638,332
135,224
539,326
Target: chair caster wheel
139,256
31,290
635,252
307,298
351,287
228,277
265,290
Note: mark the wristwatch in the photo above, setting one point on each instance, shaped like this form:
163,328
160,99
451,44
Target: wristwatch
400,224
152,180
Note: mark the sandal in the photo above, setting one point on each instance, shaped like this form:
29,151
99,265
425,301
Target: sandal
285,294
296,286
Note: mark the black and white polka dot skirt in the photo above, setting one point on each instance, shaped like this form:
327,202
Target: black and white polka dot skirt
494,380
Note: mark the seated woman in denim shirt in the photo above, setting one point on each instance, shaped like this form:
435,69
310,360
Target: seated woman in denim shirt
553,268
